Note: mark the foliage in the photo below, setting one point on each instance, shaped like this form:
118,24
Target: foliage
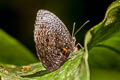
101,44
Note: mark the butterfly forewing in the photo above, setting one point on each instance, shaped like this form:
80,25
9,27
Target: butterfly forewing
51,37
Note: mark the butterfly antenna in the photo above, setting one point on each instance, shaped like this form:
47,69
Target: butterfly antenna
73,29
81,27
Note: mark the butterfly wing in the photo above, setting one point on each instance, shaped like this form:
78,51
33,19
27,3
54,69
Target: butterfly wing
51,36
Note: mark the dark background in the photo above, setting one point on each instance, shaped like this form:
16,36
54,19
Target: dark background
17,17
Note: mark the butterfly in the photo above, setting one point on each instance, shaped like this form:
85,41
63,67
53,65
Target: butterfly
52,40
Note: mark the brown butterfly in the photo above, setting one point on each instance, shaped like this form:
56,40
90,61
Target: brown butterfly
53,40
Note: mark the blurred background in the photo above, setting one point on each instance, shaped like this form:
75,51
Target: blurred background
17,17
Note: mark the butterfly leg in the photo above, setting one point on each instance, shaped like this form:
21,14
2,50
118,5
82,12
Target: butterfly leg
78,44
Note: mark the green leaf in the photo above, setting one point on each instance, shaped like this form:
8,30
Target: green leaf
73,69
12,52
104,39
103,45
105,74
